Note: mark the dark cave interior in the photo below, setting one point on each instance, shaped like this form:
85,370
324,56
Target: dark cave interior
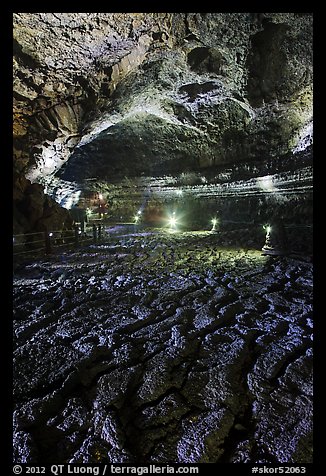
162,195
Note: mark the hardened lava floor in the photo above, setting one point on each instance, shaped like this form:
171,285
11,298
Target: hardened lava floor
163,347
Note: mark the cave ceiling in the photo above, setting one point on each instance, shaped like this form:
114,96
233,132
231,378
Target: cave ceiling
107,96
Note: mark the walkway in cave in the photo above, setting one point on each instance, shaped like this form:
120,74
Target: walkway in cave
163,347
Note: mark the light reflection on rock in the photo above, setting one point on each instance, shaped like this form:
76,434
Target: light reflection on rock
179,363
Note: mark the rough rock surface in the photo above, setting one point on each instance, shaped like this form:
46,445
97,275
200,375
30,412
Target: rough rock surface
35,211
105,96
163,347
156,346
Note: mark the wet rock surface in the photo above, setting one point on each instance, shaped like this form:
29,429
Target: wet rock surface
163,347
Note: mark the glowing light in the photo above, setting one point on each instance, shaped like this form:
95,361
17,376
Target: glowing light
173,222
214,222
136,218
100,196
267,228
139,212
51,234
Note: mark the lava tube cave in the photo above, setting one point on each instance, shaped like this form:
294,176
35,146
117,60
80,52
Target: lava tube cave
162,238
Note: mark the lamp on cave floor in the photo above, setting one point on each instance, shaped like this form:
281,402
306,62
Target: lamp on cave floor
275,241
173,222
137,217
214,223
100,205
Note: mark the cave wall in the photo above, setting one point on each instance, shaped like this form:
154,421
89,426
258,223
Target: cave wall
101,99
35,211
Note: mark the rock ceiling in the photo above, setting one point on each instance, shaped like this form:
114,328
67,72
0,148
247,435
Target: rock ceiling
105,96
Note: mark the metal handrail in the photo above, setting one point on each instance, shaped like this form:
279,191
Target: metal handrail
70,238
28,234
74,238
28,251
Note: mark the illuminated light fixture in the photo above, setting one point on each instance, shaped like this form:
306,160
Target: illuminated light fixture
139,212
214,222
79,232
51,234
173,222
275,241
267,228
136,219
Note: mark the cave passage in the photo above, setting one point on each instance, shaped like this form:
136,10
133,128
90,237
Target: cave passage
162,236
